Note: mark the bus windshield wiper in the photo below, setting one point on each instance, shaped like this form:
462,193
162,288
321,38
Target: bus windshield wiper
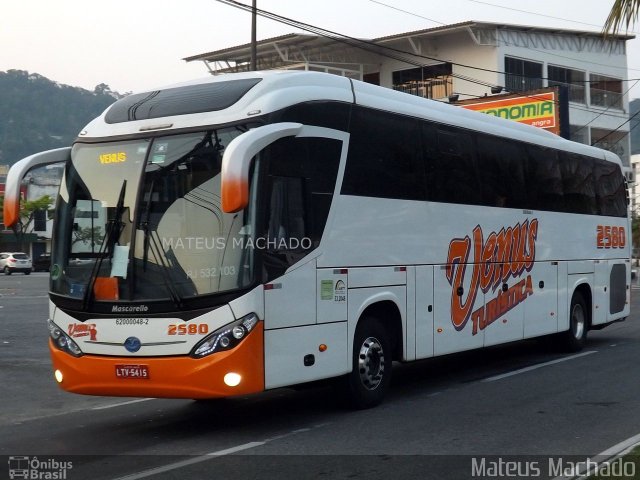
145,227
150,243
112,234
167,260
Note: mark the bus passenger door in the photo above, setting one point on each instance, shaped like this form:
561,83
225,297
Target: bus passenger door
541,307
424,311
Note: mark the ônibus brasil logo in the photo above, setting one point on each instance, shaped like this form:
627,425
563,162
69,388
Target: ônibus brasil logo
493,261
40,469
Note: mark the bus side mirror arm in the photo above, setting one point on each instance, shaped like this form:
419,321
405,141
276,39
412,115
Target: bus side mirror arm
16,175
237,160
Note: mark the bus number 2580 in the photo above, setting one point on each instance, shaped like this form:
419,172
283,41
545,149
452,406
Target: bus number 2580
611,237
188,329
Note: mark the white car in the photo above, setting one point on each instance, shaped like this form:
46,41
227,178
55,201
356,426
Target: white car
15,262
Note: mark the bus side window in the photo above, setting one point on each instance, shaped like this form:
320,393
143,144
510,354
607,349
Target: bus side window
287,224
610,189
451,166
544,180
384,157
314,162
501,171
578,184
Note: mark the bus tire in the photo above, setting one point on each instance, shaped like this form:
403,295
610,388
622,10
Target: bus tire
370,377
574,339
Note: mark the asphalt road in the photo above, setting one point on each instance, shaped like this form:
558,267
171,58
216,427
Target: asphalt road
524,402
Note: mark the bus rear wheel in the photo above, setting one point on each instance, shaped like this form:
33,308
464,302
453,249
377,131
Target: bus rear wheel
370,377
574,339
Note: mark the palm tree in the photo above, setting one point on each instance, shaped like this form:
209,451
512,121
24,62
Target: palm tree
622,12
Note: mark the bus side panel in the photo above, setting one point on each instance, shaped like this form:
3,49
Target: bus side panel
410,333
293,356
510,326
331,294
541,309
563,296
448,338
424,312
290,300
601,292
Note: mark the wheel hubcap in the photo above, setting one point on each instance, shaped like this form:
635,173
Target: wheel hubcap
577,321
371,363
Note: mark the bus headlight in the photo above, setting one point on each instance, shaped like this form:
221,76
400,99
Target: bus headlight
225,338
62,341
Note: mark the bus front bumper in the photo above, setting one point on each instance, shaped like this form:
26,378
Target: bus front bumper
166,377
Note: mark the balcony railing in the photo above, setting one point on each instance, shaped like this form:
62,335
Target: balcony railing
577,92
440,87
606,98
518,83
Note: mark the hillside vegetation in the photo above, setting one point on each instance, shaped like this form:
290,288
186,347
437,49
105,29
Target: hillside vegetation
39,114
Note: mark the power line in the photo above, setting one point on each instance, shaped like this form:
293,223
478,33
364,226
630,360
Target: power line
371,46
603,112
387,51
618,128
585,81
383,50
528,48
540,14
367,45
406,11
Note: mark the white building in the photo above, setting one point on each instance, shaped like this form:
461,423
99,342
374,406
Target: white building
466,60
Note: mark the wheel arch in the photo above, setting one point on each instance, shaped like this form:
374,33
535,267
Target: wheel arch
390,316
584,289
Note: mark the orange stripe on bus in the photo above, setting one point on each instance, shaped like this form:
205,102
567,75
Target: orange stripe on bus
235,194
11,211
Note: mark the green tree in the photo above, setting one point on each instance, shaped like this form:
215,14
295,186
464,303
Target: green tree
28,209
623,12
92,236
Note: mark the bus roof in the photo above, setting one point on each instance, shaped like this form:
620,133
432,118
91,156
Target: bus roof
213,100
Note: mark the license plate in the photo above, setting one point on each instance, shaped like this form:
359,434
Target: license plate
132,371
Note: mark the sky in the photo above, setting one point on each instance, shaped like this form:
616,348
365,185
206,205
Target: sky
137,45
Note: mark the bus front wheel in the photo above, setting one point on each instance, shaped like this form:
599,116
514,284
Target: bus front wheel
370,376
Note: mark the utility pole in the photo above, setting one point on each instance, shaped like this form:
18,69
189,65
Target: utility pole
254,53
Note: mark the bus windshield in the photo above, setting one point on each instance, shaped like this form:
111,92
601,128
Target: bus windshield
141,220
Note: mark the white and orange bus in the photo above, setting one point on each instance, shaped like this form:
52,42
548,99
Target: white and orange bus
253,231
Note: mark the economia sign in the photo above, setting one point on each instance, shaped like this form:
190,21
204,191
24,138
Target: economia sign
539,109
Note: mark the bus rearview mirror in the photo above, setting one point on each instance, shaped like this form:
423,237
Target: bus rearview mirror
237,157
17,173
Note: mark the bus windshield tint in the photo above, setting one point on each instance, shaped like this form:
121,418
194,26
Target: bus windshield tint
159,237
